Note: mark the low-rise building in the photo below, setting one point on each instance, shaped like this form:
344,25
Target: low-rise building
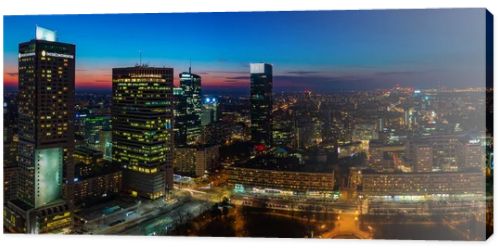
19,217
98,186
423,184
281,176
86,160
274,181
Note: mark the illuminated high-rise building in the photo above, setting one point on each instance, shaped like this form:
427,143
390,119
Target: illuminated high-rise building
142,129
46,140
106,144
261,90
93,125
210,111
189,109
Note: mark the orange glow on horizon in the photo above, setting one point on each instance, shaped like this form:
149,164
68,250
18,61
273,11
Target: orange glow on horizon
100,78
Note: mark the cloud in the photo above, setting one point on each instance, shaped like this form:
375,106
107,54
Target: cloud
317,79
102,81
227,72
326,83
395,73
303,72
300,80
353,80
238,78
98,69
12,74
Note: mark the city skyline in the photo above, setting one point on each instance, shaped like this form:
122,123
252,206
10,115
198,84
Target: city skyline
155,158
355,52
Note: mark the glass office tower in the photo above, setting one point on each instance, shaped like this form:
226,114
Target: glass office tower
261,89
189,109
142,128
46,140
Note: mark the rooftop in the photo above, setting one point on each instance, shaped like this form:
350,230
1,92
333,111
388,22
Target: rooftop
286,164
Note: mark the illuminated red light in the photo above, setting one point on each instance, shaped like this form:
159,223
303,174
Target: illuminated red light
260,147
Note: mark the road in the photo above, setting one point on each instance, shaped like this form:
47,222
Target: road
182,204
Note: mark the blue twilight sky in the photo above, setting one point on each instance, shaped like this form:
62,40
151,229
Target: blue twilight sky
320,50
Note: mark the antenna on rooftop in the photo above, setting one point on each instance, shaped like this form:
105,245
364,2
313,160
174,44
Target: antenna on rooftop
140,57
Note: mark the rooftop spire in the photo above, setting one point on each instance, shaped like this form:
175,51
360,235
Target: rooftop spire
140,57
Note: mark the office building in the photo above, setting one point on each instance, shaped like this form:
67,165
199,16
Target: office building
106,144
196,161
87,160
422,157
290,182
385,157
210,112
93,126
261,90
142,124
471,154
10,183
189,110
423,184
45,130
104,183
10,139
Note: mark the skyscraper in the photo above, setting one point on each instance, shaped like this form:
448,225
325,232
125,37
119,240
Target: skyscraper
142,128
46,140
189,108
261,90
210,111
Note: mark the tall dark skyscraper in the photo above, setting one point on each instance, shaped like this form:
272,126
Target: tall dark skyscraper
142,128
189,109
46,139
261,90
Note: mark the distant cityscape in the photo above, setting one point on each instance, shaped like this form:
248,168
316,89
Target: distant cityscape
155,158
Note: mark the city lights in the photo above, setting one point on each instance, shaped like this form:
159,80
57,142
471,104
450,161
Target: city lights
314,141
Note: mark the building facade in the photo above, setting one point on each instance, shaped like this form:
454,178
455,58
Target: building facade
98,186
422,184
384,157
210,113
142,128
10,182
261,91
196,161
471,155
189,110
45,108
275,181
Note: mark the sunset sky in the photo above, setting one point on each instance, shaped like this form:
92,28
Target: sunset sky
327,50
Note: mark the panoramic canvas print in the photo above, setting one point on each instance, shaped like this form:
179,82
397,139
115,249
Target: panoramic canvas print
304,124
